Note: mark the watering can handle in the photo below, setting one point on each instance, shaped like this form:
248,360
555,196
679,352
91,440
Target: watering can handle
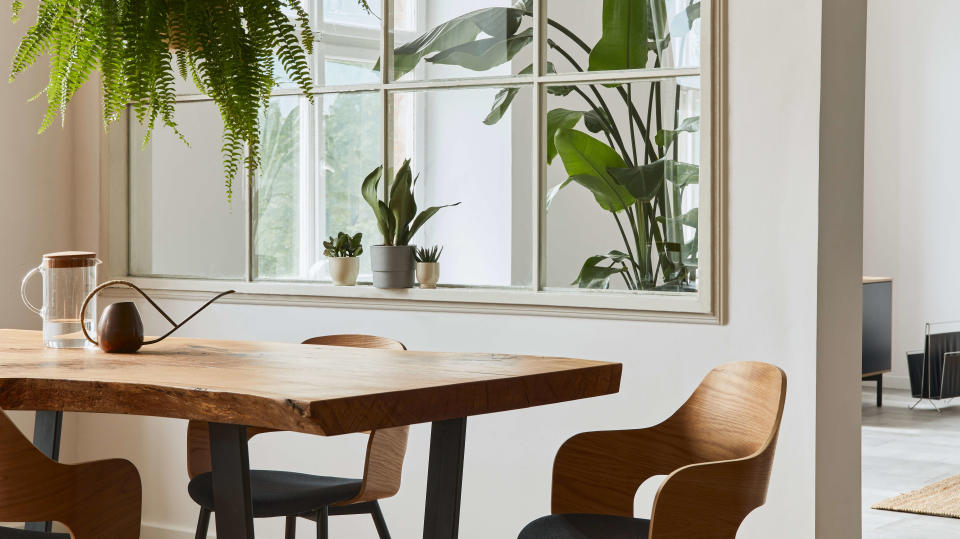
176,326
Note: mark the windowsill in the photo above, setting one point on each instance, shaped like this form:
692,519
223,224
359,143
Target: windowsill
659,306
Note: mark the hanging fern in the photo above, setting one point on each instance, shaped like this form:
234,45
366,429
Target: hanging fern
226,47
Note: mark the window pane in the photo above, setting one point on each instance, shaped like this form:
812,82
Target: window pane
276,199
467,38
349,12
662,33
464,154
309,188
623,195
348,43
181,221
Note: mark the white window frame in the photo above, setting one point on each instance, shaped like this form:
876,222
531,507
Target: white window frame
705,306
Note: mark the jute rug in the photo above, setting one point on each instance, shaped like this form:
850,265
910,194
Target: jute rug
941,499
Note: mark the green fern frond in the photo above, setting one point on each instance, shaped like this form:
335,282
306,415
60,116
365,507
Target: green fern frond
227,49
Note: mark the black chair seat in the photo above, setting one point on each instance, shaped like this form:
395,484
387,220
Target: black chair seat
585,526
13,533
277,494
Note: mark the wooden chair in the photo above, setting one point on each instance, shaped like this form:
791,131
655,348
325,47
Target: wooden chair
94,499
717,451
293,495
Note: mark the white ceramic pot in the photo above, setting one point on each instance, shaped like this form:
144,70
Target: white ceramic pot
428,273
344,270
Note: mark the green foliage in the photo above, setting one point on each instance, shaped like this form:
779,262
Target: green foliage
365,6
226,48
624,41
431,254
343,245
631,168
276,196
397,215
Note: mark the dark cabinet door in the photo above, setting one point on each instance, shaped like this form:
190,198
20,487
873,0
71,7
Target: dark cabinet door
877,316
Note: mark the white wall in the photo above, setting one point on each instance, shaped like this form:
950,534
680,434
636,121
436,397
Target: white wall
777,300
911,186
38,195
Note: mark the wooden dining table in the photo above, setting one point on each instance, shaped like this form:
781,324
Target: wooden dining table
311,389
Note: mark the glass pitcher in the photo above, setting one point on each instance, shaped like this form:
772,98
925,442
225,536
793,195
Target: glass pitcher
68,277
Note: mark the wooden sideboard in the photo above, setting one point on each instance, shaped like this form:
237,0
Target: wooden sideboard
877,329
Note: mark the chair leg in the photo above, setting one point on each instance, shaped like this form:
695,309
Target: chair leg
323,517
379,521
290,532
203,524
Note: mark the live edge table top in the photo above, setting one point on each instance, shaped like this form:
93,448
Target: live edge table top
306,388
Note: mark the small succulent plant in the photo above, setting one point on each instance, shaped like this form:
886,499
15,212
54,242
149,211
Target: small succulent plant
429,254
343,245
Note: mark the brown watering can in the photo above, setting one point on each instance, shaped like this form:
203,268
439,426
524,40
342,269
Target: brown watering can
120,329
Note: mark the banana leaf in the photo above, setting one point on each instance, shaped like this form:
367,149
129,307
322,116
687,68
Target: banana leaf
643,182
623,44
682,22
666,137
596,122
682,174
691,219
484,54
559,119
505,97
587,160
593,275
496,22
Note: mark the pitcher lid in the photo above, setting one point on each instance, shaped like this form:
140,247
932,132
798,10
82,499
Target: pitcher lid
70,259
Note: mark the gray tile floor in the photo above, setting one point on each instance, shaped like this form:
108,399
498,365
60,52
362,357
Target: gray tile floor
904,450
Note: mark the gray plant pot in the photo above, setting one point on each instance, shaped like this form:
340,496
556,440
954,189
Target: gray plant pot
393,267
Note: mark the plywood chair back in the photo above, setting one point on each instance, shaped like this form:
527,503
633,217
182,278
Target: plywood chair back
94,500
717,451
386,448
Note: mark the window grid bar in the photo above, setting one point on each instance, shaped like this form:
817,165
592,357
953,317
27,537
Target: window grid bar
633,75
386,73
539,144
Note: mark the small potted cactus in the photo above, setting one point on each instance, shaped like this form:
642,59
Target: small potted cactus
428,266
398,218
343,253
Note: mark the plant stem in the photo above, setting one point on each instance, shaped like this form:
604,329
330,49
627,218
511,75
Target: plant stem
633,135
605,115
633,111
607,131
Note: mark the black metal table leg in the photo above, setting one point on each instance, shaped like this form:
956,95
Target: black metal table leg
441,518
878,378
880,390
46,437
230,463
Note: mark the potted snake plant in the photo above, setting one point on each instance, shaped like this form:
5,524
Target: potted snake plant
428,266
343,258
398,220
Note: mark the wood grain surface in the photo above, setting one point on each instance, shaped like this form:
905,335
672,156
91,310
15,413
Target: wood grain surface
95,500
717,451
326,390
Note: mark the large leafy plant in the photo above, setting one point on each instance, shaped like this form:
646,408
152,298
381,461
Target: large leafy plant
226,47
630,164
396,214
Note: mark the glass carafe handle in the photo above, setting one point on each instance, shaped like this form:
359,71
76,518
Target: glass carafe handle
23,292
